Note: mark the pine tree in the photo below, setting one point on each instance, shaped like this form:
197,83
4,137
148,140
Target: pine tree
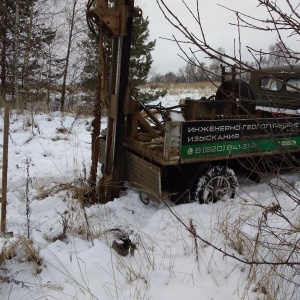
7,9
23,38
90,69
140,56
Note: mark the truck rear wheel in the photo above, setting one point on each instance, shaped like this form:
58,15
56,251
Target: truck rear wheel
219,183
238,89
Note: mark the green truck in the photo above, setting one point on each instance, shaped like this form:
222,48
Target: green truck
194,150
242,127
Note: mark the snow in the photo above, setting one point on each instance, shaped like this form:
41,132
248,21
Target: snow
68,253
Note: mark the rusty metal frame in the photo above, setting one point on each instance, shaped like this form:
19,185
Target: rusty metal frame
114,19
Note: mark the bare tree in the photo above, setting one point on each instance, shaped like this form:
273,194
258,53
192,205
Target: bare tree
279,54
285,23
16,50
74,16
272,252
214,66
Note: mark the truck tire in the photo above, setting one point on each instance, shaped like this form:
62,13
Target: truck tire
239,89
219,183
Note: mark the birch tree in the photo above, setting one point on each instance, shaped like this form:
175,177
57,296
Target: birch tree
74,17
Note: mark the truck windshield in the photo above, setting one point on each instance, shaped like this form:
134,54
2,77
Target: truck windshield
293,85
271,84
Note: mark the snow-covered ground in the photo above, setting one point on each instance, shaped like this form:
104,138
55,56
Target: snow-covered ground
60,250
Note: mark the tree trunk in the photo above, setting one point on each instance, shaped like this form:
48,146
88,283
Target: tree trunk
64,83
26,58
16,54
3,56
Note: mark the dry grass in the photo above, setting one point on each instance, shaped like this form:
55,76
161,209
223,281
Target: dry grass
185,85
21,248
62,130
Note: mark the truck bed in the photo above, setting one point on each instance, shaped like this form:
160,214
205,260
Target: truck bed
209,140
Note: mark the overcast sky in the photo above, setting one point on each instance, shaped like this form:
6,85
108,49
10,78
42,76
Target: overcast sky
215,20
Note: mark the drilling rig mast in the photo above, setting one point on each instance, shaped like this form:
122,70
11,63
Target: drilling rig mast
114,19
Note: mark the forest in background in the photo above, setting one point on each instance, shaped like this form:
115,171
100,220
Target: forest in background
48,55
41,57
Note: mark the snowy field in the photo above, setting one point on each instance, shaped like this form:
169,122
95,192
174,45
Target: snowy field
60,250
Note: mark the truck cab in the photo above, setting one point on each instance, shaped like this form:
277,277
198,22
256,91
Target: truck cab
277,89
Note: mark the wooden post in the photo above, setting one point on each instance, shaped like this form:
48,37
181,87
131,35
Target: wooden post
4,170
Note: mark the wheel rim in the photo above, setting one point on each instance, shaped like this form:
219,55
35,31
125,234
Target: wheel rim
217,188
